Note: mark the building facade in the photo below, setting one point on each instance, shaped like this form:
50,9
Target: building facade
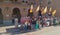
10,8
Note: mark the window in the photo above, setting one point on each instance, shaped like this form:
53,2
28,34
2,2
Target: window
14,0
6,0
11,0
0,11
49,1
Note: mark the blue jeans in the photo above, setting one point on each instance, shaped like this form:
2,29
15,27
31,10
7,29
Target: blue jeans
25,28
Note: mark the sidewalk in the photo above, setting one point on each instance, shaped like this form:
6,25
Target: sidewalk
45,31
3,29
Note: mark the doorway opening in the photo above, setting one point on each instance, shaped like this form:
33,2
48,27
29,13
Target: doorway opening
16,14
1,16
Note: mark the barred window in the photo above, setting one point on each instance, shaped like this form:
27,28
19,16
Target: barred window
14,0
49,1
0,11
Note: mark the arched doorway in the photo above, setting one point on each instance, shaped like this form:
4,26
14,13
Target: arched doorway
16,14
1,16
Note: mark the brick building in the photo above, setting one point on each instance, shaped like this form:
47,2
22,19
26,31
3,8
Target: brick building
9,8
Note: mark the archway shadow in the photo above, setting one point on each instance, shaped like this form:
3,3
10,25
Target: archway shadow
16,14
1,17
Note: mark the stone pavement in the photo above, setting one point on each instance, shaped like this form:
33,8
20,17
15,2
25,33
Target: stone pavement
53,30
3,29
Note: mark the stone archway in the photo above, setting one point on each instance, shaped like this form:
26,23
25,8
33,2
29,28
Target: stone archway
16,14
1,16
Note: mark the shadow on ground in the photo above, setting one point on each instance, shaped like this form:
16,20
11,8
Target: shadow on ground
18,30
14,31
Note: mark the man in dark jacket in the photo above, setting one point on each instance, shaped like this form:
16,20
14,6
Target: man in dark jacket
30,14
39,13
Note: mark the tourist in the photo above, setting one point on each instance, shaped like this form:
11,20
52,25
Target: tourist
33,23
25,26
30,14
37,25
43,21
39,21
39,13
29,25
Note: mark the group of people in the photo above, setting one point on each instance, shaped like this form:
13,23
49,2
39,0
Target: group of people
34,23
31,23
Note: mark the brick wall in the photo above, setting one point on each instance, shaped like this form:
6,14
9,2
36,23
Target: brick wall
55,5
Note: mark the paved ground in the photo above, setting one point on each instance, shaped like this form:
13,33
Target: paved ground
53,30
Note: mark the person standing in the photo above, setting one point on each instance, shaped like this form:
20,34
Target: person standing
25,26
30,14
37,25
16,22
39,22
39,13
33,23
29,25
